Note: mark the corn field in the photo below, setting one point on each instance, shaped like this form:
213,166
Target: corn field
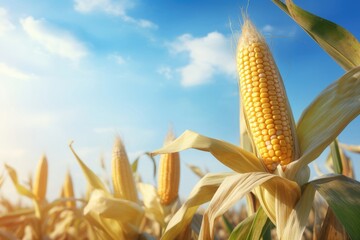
268,173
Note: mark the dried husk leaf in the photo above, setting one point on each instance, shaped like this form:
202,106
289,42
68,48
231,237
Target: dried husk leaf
296,222
92,179
351,148
326,117
197,170
230,155
109,227
201,193
277,196
125,212
13,217
19,187
152,204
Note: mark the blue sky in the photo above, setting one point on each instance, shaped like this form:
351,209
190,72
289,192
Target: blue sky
86,70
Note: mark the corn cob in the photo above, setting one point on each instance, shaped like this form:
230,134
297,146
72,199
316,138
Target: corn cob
122,176
268,116
169,174
40,180
68,190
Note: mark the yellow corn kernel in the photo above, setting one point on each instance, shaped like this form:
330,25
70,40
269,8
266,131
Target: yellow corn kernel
273,118
68,190
169,174
122,176
40,180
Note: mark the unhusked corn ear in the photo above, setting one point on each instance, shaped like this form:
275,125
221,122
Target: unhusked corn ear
122,176
40,180
68,190
169,174
264,101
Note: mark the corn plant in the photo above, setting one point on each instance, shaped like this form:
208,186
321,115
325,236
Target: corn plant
58,219
116,214
162,202
276,170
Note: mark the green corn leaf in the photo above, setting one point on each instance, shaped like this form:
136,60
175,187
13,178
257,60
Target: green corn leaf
228,225
339,43
343,196
253,227
336,158
326,117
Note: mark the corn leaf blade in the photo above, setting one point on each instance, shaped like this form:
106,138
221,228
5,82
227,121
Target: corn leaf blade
230,155
127,213
335,156
104,227
339,43
233,188
228,226
91,177
343,196
201,193
13,217
21,189
326,117
151,201
197,170
298,217
106,206
252,227
351,148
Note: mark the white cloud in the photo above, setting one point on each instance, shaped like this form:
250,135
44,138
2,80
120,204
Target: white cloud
112,7
108,6
167,72
268,28
209,55
10,72
54,40
5,23
140,22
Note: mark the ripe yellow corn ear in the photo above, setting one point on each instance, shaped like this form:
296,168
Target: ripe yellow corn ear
169,174
68,190
122,176
40,180
263,99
